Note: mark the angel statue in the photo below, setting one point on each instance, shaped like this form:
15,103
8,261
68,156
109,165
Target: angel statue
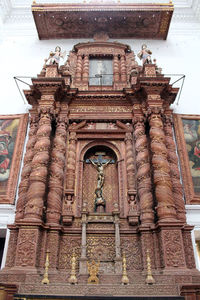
145,55
54,56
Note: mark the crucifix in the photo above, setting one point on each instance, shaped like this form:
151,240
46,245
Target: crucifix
100,163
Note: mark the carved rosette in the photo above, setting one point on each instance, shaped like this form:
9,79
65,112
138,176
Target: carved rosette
23,187
174,170
38,176
143,172
54,199
70,179
163,185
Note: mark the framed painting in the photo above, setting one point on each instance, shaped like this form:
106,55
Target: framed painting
187,130
12,136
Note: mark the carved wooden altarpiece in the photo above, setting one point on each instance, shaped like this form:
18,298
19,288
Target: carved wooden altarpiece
103,179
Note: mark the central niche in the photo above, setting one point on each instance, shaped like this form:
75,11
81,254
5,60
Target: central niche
100,71
100,180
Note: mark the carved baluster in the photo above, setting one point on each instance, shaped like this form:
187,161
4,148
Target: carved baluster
54,200
143,172
24,184
123,69
70,179
163,185
174,170
79,68
116,68
38,176
86,69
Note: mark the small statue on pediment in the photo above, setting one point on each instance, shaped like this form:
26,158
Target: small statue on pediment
54,56
145,55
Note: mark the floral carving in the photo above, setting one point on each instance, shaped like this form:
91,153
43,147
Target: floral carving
68,244
132,248
26,248
101,248
173,248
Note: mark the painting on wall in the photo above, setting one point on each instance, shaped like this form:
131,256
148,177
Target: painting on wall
12,136
187,128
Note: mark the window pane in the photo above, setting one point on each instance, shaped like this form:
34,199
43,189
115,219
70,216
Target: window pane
101,71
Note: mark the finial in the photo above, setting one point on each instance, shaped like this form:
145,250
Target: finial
149,278
125,279
45,279
72,279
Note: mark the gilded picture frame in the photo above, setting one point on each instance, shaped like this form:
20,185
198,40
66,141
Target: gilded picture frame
13,130
187,131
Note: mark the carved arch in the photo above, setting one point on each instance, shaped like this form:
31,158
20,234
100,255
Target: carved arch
120,173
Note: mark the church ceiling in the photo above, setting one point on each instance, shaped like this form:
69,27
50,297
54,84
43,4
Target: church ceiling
118,20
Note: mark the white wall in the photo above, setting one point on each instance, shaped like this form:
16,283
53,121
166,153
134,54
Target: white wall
24,56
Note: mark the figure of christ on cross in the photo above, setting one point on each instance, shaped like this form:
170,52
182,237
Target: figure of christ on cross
100,165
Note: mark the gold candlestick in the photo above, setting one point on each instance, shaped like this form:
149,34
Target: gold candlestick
125,279
149,278
45,279
72,279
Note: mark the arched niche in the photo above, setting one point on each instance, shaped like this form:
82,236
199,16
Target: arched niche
85,188
100,155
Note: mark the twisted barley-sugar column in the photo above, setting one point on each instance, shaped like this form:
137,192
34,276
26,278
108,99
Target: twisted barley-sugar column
130,161
38,176
174,170
123,68
24,184
116,68
161,171
144,184
71,161
79,68
54,199
86,68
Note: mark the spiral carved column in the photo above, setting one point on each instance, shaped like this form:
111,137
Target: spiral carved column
123,69
174,170
70,180
116,68
85,69
79,68
38,176
24,184
162,180
143,172
54,199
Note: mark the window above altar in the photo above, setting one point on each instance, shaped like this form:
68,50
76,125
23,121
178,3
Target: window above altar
100,71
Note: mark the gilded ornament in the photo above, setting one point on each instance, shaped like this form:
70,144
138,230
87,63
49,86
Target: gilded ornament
45,279
93,269
72,279
149,278
125,279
